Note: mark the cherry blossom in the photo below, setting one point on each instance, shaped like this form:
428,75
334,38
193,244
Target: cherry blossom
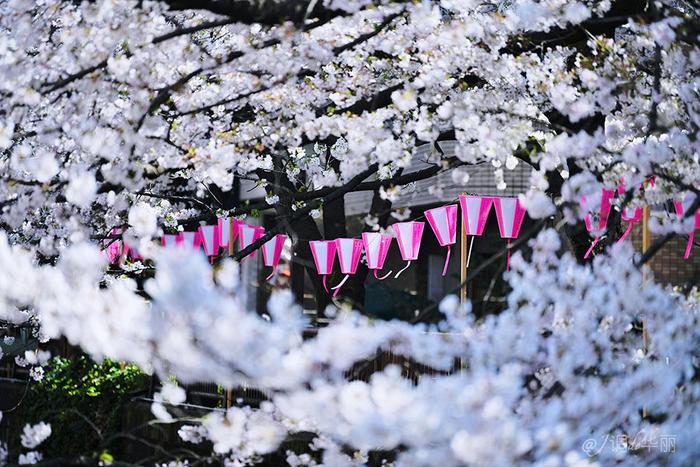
123,120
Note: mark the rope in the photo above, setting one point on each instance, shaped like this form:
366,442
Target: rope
626,233
383,277
469,255
337,287
590,249
405,267
691,236
508,255
447,260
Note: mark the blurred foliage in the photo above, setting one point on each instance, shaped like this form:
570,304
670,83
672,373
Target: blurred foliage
83,401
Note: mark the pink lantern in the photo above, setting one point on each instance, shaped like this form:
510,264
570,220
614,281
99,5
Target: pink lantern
209,234
349,252
227,227
114,248
192,240
605,208
272,250
114,251
510,214
376,248
323,252
171,240
443,221
475,212
681,208
247,235
408,236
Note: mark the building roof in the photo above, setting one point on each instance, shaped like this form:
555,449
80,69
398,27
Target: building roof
442,188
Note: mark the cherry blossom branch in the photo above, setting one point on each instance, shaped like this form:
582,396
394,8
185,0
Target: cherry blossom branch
192,29
261,12
53,86
307,209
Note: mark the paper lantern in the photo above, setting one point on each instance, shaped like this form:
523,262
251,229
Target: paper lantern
443,221
323,252
272,250
171,240
598,229
114,249
408,236
209,235
228,227
247,235
376,248
349,252
681,208
191,240
509,214
475,212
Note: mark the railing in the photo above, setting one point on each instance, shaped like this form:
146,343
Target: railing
213,395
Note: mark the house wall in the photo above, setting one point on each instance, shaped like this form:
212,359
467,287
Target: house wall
668,265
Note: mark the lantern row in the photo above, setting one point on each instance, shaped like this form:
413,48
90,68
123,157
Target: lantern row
442,220
596,222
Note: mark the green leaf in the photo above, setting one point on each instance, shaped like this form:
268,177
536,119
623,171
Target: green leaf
106,457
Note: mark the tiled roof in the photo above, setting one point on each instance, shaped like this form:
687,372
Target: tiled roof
443,189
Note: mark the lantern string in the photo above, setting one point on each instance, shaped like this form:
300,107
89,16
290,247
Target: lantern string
274,270
590,249
508,255
691,236
626,233
447,260
408,264
325,285
384,276
337,287
469,255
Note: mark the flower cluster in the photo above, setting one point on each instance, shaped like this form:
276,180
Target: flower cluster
116,114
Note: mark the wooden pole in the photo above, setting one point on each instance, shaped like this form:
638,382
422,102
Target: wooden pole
646,243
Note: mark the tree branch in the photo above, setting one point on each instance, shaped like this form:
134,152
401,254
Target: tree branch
307,209
269,13
193,29
50,87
